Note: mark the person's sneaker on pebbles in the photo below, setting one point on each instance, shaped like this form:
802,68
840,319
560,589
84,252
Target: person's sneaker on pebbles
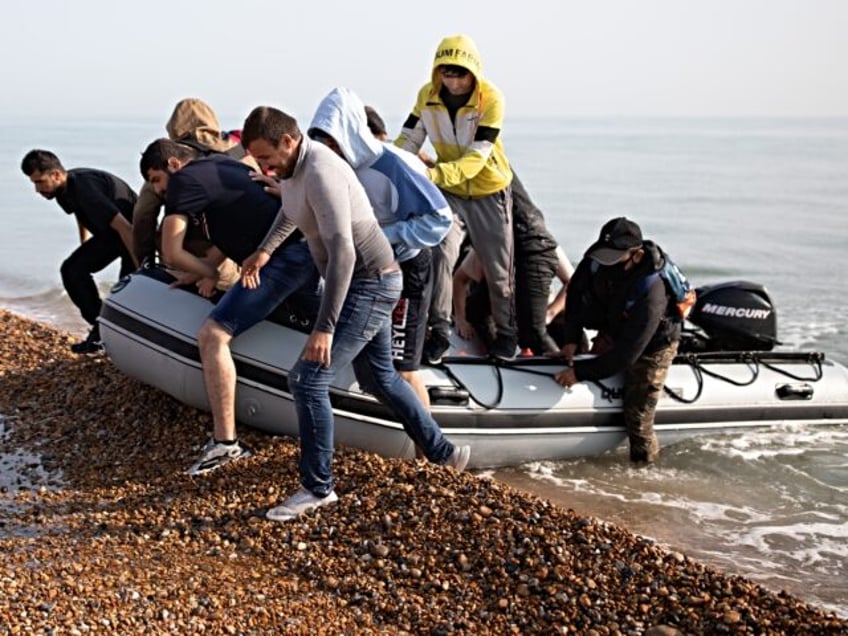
298,503
91,344
216,454
459,458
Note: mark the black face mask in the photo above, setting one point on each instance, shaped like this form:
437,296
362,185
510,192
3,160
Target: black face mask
616,272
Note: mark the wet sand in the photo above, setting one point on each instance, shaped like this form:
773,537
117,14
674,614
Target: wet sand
108,535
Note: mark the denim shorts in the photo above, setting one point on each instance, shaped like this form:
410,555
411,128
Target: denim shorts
291,269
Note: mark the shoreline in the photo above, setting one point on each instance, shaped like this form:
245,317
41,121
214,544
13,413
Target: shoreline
124,541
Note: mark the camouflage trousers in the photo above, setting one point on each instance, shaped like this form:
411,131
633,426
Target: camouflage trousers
643,385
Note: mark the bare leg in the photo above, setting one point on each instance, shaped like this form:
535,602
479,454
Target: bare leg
219,375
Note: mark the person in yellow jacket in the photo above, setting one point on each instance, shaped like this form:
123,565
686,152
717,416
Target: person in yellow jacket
462,113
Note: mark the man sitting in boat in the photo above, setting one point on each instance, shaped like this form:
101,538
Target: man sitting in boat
617,291
102,204
538,261
412,211
322,196
218,194
194,123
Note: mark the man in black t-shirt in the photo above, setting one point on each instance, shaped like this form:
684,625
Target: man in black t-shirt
216,193
102,204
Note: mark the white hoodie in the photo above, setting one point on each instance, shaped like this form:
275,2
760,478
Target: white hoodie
411,210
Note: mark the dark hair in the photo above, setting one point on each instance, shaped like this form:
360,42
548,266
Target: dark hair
40,161
156,155
270,124
375,123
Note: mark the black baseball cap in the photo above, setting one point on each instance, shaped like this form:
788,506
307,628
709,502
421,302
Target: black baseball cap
618,238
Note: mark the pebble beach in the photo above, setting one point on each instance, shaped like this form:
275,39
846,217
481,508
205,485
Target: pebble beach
101,531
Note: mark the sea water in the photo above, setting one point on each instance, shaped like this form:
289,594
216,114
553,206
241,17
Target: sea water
763,200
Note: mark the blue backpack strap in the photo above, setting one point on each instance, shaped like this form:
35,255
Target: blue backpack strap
641,290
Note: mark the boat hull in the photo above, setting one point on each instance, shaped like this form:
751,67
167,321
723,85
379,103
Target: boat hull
509,414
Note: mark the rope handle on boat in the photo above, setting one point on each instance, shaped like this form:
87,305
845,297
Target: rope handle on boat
815,362
695,361
444,367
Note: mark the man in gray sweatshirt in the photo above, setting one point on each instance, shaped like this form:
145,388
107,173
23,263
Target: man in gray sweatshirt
322,197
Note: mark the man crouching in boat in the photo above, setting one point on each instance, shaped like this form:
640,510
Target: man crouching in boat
615,291
322,196
218,193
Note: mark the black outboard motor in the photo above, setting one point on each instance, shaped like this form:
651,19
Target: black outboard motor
735,316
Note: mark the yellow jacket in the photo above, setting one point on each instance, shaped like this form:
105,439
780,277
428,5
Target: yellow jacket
470,157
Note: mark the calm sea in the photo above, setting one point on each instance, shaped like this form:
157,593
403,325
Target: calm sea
764,200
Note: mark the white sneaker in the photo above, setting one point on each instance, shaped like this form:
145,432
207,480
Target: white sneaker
216,454
459,458
298,503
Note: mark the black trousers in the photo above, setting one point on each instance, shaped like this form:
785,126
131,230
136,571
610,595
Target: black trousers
94,255
533,275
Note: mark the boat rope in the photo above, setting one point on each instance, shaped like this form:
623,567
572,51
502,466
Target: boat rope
486,405
814,360
695,361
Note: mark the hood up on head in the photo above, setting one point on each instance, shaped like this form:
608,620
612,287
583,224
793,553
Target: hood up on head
341,114
457,50
194,119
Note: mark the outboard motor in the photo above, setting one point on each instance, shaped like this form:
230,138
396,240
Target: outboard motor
735,316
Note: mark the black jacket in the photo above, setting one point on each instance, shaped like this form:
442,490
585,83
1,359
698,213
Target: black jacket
635,311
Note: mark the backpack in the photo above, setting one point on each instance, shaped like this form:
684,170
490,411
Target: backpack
677,284
682,294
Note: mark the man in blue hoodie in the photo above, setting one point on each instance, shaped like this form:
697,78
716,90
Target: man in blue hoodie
411,210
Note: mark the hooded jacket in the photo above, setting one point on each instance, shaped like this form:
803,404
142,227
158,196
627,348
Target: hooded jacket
194,122
411,210
640,319
471,159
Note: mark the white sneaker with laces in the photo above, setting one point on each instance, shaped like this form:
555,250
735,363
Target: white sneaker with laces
298,503
215,454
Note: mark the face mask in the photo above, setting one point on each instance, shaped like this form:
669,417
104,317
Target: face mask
616,272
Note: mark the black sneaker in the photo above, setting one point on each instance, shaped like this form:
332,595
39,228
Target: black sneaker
503,348
91,344
435,348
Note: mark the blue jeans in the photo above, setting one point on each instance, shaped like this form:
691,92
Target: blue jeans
291,270
362,337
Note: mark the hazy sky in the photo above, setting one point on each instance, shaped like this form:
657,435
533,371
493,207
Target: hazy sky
551,57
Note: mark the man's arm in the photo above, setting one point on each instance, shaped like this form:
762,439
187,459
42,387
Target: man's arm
564,271
412,134
461,279
173,233
124,230
280,230
145,215
84,234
